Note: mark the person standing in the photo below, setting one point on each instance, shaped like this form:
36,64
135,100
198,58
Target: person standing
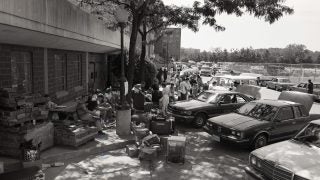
183,90
165,98
310,87
165,74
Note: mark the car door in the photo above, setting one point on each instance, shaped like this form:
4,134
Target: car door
226,104
283,125
238,101
302,118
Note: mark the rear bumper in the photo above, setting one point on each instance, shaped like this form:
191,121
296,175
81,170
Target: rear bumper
252,174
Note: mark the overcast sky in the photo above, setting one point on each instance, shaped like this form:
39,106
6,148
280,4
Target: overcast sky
303,27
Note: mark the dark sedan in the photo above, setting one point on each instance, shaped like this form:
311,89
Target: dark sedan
207,104
259,122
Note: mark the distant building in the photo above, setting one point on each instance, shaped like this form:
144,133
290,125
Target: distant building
168,46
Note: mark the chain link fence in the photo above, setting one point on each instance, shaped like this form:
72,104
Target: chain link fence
295,72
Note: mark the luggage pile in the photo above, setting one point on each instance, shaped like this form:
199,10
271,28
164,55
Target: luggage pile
152,133
23,117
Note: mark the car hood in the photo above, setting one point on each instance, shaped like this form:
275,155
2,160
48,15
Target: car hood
190,104
236,121
298,157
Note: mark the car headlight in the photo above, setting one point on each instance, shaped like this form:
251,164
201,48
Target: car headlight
236,133
253,160
187,112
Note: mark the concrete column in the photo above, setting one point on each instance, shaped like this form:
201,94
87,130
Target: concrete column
87,71
46,76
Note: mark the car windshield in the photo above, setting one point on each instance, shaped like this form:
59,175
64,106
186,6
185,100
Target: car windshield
309,135
208,97
258,111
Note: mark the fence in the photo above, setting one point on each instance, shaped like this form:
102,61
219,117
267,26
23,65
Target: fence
295,72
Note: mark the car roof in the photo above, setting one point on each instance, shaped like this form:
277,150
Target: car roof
316,122
277,103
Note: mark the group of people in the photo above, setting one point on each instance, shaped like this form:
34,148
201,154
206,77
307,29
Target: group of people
97,109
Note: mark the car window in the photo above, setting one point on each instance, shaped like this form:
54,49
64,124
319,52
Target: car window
240,99
285,113
303,111
258,110
301,85
297,111
226,99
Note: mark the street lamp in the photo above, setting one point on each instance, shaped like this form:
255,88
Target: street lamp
122,18
124,113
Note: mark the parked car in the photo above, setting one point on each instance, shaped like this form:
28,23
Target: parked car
259,122
295,159
207,104
302,87
279,84
206,71
264,80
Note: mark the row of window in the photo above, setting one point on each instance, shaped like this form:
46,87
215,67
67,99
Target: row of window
22,73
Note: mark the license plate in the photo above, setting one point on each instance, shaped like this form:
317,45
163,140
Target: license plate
215,138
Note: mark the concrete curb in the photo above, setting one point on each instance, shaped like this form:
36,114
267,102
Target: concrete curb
85,152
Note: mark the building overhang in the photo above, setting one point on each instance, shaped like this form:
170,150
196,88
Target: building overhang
26,37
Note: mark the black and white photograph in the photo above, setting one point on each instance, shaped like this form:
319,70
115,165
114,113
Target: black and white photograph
159,90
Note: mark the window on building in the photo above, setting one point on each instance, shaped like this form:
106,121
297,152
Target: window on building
21,71
78,70
60,64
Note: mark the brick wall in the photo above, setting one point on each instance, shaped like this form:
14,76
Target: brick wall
37,65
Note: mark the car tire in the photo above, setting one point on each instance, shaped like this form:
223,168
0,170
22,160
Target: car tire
260,141
200,120
276,88
267,86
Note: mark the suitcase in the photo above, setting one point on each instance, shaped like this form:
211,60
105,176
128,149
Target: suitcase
176,148
150,140
163,127
148,153
132,151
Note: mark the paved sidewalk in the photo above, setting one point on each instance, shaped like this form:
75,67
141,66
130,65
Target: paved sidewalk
101,144
203,161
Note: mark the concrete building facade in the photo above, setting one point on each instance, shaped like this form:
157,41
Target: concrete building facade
53,47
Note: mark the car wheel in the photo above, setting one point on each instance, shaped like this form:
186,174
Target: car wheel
199,120
277,89
260,141
267,86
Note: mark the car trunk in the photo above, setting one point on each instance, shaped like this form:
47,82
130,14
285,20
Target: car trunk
298,97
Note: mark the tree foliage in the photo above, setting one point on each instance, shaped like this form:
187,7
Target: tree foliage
293,54
270,10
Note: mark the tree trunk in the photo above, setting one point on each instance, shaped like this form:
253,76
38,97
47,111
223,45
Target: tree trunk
132,49
143,52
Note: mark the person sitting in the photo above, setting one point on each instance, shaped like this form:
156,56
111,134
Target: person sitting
50,105
85,114
138,98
